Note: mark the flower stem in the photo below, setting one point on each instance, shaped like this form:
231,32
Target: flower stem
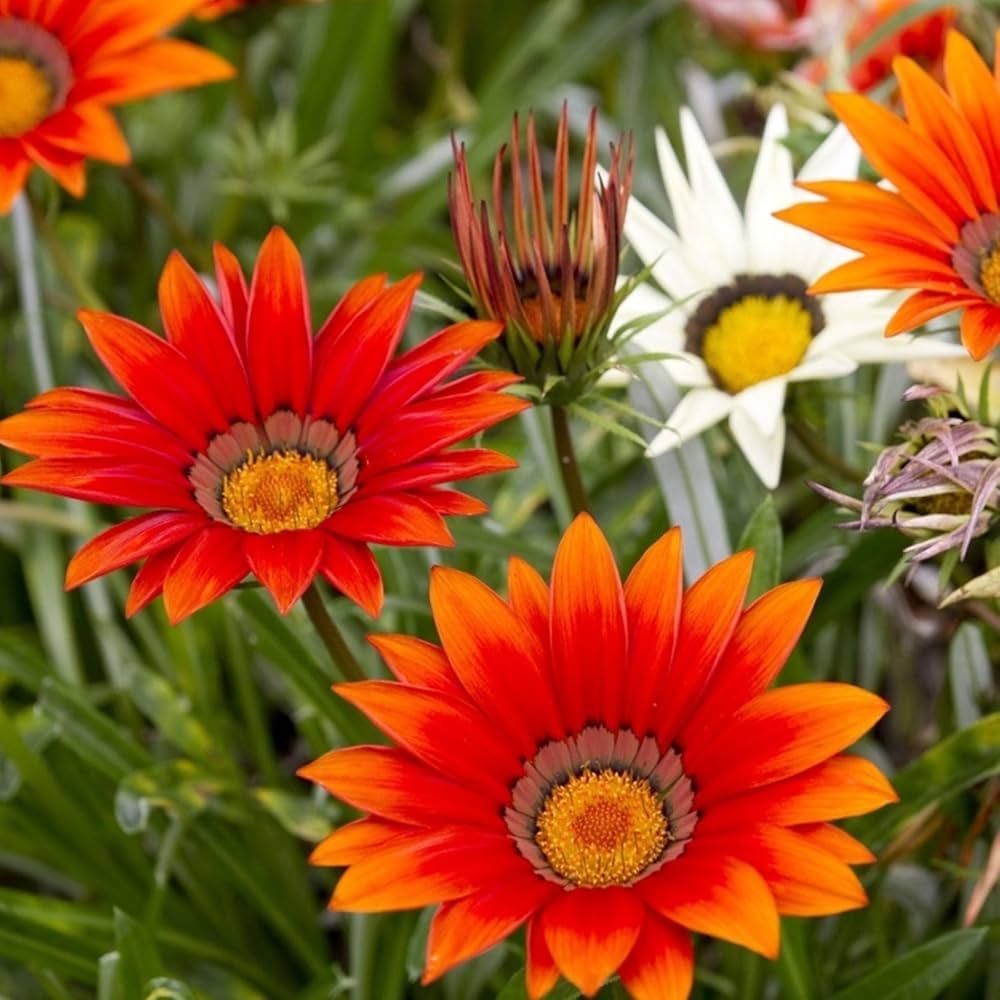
568,467
63,263
818,449
338,649
31,297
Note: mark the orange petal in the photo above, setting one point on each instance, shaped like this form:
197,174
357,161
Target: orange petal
417,662
126,543
147,584
716,894
388,782
709,615
528,594
661,965
498,661
356,300
233,294
466,927
923,306
541,972
900,269
279,332
980,329
424,867
974,90
762,641
779,734
391,519
653,594
88,129
931,112
356,841
208,565
590,932
14,170
837,842
588,631
286,563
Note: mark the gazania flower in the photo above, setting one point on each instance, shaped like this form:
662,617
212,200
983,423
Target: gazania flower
262,448
553,287
605,764
938,229
64,63
940,485
741,325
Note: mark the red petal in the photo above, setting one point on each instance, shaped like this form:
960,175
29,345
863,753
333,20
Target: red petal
285,563
466,927
195,326
208,565
148,582
348,367
451,503
716,894
392,519
709,614
451,467
358,299
445,732
529,597
661,965
279,337
980,329
590,932
499,662
388,782
653,599
351,568
157,376
125,543
232,294
589,645
541,973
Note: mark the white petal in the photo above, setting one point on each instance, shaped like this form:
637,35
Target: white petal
771,242
868,350
823,366
666,333
763,451
763,403
837,158
697,411
673,264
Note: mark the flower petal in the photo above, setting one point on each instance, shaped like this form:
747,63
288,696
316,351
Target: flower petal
285,562
206,566
351,568
661,965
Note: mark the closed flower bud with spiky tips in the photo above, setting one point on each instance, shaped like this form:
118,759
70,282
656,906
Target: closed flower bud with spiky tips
551,282
940,485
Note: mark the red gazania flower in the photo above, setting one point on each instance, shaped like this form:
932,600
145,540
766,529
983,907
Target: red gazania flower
605,763
262,448
64,63
938,231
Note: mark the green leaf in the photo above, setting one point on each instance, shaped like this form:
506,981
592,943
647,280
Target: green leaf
962,759
515,989
985,585
922,973
763,534
795,969
138,959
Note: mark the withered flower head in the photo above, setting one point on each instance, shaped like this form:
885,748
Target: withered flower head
940,485
553,284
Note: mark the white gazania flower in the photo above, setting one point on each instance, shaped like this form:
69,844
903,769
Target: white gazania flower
739,324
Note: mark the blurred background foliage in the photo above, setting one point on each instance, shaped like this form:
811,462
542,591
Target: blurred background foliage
153,836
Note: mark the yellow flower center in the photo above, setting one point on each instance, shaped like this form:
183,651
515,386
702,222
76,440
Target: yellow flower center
989,273
755,339
602,828
279,491
26,95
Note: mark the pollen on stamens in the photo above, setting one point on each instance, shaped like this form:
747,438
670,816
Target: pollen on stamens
26,95
602,828
989,273
284,490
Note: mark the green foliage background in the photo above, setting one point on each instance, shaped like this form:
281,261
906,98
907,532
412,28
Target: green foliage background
153,835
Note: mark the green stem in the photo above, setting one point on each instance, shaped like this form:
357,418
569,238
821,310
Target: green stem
31,298
160,207
568,466
63,263
819,450
338,649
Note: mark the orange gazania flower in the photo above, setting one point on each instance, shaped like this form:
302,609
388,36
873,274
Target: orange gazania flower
605,763
939,230
64,63
264,449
